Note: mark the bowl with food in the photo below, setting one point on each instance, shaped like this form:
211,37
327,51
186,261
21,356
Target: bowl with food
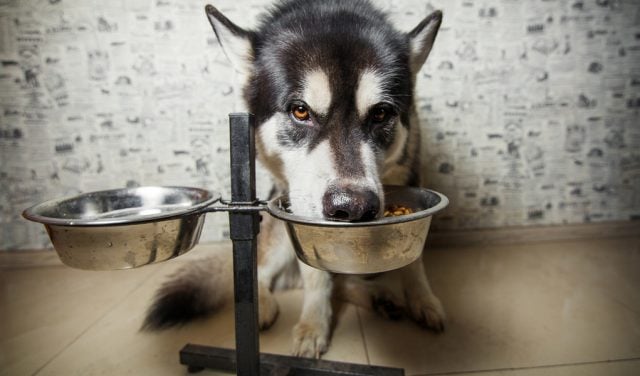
386,243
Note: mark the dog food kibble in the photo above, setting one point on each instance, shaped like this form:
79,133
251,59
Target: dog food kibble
396,210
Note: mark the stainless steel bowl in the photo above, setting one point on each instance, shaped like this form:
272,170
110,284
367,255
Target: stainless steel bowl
128,228
123,228
364,247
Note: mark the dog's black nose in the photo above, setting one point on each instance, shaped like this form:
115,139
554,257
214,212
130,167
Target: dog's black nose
347,204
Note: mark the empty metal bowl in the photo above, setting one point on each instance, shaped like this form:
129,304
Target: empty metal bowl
123,228
364,247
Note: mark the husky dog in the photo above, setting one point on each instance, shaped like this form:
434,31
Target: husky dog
331,85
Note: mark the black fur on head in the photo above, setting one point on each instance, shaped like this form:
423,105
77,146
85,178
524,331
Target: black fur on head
343,38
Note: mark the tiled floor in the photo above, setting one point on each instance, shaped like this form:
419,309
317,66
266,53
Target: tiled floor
561,308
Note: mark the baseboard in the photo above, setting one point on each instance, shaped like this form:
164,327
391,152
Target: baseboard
533,234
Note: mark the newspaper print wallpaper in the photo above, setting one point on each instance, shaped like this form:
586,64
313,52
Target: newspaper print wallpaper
530,108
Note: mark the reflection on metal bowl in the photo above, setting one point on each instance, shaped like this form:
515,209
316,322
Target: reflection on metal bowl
123,228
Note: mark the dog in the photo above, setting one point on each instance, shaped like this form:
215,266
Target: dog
331,86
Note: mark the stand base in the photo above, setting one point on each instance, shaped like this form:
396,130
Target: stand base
198,357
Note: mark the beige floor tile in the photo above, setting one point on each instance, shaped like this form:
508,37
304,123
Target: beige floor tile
44,309
114,346
509,307
521,306
620,368
617,368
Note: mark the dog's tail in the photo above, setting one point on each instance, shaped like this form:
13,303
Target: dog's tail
195,290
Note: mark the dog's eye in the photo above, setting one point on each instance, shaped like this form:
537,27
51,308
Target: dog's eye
300,112
380,114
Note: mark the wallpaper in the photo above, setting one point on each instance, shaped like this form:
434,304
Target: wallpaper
530,108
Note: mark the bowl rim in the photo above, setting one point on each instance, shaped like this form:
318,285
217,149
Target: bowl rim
275,209
32,213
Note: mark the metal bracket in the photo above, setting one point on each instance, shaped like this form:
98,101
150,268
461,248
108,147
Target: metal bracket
234,207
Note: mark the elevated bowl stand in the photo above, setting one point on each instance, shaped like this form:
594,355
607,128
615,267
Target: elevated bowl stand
244,224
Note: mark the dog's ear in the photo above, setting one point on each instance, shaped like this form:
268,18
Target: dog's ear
234,40
422,38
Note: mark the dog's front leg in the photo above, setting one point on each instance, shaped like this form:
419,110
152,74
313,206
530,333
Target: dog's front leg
423,305
276,257
311,333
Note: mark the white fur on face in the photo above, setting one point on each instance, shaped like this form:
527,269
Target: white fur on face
268,149
317,91
309,175
396,150
372,180
306,174
394,172
370,91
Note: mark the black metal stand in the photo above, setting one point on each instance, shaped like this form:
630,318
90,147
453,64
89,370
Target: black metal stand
244,223
200,357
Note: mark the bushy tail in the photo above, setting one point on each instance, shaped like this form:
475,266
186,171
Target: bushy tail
193,291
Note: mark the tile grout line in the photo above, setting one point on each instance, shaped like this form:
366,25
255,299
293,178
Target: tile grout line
364,340
544,366
109,310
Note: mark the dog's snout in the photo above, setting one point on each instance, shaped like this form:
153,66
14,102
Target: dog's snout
347,204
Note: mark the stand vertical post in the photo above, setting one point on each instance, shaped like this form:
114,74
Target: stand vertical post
244,228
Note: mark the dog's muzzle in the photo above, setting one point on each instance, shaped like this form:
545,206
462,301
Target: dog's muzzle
350,204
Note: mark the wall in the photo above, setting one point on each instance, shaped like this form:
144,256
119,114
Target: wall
532,106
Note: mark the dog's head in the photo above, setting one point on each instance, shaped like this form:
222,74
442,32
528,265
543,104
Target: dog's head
331,86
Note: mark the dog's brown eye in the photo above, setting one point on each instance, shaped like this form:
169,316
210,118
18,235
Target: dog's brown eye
379,114
301,113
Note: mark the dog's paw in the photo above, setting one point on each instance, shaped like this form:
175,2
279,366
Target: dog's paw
310,340
427,311
267,308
